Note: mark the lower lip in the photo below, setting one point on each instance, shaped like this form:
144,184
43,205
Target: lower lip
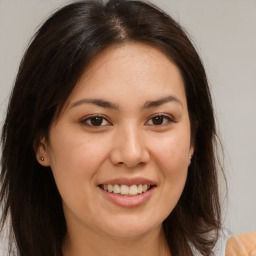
128,201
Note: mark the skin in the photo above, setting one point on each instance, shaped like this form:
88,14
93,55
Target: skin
128,143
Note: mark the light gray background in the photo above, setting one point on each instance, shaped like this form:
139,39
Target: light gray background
224,32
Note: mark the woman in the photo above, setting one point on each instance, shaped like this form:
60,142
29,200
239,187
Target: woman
108,142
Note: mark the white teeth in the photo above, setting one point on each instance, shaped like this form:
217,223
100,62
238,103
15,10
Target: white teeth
133,190
126,190
110,188
139,189
144,188
116,189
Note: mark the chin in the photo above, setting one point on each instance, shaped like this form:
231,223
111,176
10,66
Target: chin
128,229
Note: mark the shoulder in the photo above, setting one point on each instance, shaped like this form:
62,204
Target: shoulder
243,244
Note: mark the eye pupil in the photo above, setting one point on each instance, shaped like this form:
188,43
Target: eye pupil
157,120
96,121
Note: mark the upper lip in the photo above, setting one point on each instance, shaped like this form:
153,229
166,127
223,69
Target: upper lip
128,181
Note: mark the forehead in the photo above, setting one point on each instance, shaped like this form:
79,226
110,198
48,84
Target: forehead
131,68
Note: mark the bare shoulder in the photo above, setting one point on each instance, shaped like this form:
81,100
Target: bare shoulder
243,244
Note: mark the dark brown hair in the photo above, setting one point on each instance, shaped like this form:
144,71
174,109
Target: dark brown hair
57,56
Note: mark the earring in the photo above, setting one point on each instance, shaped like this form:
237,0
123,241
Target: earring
42,158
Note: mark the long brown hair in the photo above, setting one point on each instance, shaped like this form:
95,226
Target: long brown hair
57,56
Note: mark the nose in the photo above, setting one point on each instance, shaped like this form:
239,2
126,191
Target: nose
129,148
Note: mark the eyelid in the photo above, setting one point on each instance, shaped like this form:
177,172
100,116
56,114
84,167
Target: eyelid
170,119
164,115
88,117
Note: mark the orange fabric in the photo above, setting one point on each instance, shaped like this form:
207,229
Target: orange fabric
242,245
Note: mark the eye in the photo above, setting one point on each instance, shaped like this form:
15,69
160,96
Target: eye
159,120
95,121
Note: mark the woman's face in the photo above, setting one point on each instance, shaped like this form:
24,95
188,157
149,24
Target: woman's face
124,128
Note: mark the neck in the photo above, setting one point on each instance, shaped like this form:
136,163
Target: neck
93,244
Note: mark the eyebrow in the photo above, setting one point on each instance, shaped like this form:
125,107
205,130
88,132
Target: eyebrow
98,102
107,104
159,102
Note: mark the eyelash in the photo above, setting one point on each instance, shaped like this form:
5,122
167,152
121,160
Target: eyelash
168,119
88,120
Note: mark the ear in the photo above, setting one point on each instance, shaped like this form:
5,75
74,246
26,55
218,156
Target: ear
191,152
42,154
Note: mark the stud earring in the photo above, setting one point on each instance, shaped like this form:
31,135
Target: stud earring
42,158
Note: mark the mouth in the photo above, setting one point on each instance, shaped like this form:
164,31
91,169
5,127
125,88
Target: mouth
126,190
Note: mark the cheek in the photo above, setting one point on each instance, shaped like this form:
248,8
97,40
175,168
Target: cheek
173,163
172,153
75,161
75,153
172,159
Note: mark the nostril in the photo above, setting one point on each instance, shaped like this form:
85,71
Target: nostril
130,156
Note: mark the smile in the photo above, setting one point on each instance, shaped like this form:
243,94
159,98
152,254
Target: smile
126,190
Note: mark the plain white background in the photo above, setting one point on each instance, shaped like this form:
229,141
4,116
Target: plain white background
224,32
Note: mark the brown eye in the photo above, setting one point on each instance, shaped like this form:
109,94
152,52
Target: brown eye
95,121
159,120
